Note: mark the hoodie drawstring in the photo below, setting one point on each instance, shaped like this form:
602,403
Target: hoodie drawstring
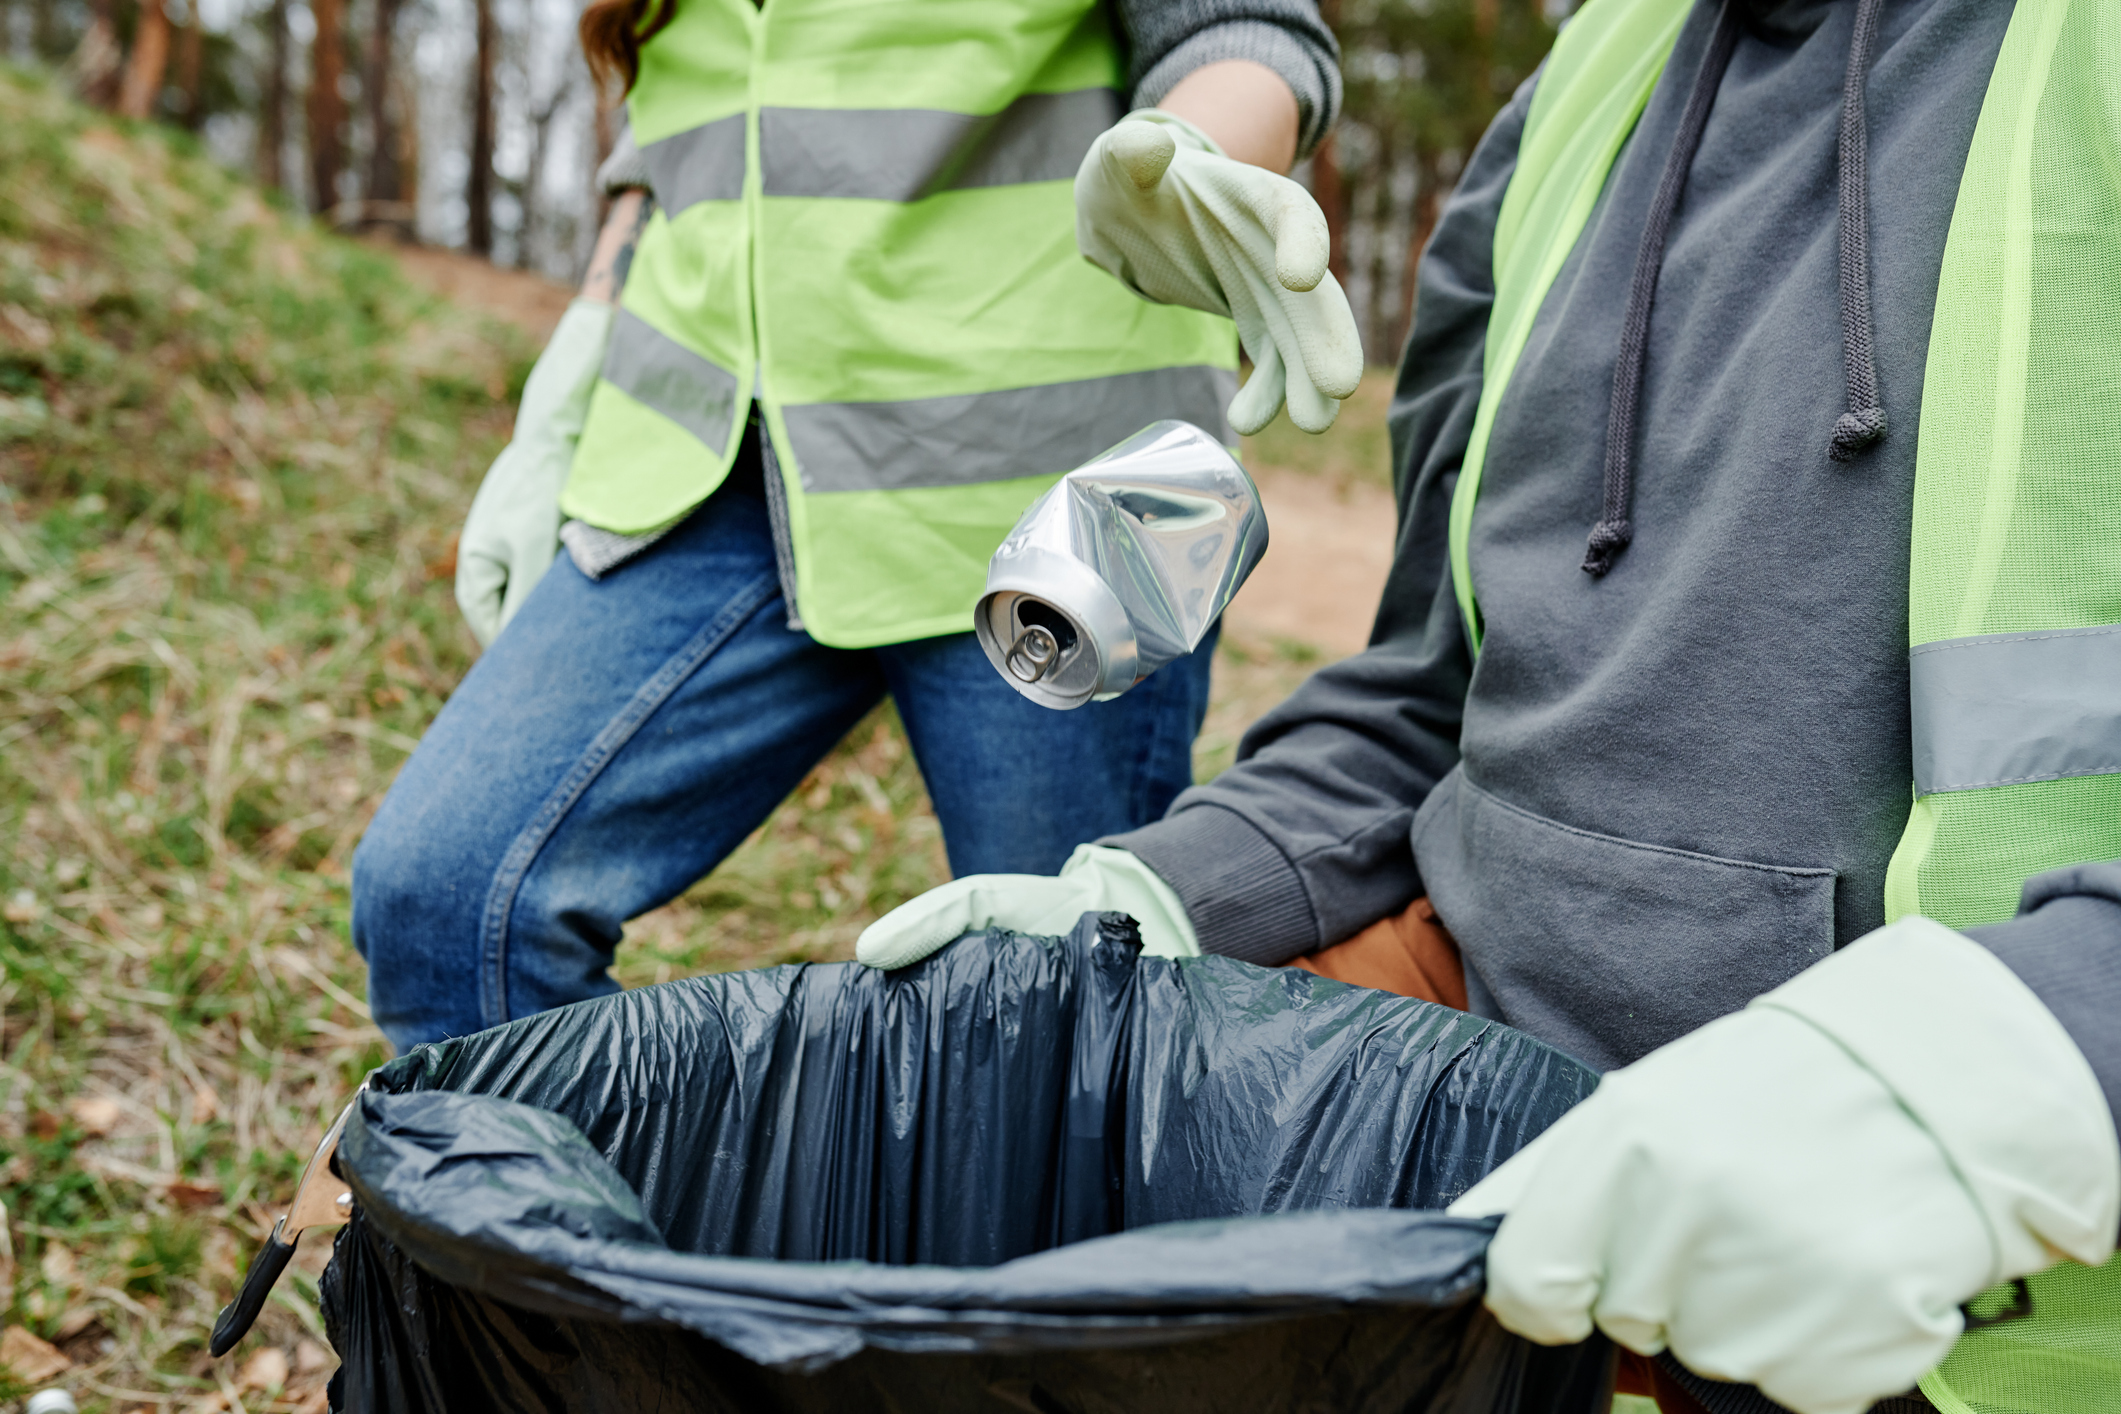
1863,425
1859,428
1613,531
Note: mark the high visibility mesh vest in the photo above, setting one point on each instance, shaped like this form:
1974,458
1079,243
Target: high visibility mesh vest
2014,620
865,222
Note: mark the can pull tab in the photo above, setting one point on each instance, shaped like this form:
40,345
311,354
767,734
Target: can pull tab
1033,654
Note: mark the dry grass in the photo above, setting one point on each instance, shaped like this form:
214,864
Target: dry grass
232,452
232,456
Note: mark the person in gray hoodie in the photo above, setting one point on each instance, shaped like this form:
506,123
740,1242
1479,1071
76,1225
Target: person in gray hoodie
1655,811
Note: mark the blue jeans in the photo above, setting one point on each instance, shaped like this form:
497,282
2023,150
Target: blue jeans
625,734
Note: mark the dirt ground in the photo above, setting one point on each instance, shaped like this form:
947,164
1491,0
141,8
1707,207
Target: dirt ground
1329,548
527,300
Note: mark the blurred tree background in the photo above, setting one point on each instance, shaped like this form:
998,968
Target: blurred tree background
474,124
1424,78
462,123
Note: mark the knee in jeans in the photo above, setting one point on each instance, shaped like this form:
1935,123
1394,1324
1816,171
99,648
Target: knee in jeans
398,887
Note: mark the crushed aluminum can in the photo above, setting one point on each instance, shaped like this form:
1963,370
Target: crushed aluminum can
1122,567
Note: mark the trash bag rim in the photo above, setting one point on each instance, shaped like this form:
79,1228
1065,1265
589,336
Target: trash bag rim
547,1244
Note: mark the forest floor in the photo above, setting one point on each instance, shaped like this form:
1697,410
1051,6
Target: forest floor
234,453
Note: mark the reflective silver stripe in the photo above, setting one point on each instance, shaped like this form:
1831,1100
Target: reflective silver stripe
2003,708
900,154
975,437
700,164
883,154
657,371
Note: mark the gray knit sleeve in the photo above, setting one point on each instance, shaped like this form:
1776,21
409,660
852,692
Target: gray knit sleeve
1305,841
1168,39
2065,944
625,169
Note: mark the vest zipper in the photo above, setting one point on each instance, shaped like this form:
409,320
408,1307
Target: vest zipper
777,518
769,460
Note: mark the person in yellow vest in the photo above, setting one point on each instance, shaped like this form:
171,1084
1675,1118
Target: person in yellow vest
1743,713
819,366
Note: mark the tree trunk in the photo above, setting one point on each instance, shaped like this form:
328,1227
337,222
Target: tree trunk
385,179
45,39
408,161
272,117
478,190
327,108
191,67
1327,188
1332,197
540,139
145,65
1428,205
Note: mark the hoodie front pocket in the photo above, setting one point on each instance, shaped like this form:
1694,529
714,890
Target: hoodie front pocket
1606,947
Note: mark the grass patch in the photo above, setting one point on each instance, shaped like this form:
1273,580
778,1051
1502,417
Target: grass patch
233,451
233,456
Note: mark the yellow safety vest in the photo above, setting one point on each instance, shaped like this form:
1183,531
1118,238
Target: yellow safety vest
865,224
2014,617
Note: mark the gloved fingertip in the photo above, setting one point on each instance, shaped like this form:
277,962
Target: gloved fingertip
1309,408
1333,355
1315,420
1143,151
1339,385
888,953
1643,1336
1303,248
1541,1322
1299,266
1339,367
1257,402
1251,424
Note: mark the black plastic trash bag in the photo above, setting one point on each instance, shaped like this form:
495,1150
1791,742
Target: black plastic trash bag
1027,1174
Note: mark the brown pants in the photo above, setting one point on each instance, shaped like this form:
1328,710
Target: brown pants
1412,954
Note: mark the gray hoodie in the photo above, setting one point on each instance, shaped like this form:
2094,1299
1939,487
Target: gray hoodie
1663,791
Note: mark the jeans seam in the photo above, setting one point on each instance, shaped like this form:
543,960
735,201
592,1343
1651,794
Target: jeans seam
1145,759
525,848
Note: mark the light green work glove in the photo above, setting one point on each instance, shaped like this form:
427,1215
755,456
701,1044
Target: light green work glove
513,530
1159,206
1096,879
1800,1196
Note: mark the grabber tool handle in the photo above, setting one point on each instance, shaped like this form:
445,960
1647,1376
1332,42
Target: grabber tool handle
315,1205
236,1317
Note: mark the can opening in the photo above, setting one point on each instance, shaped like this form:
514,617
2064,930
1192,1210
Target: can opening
1047,639
1045,646
1038,613
1033,652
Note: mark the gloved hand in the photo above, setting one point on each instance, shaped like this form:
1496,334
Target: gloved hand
513,530
1096,878
1159,206
1800,1196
